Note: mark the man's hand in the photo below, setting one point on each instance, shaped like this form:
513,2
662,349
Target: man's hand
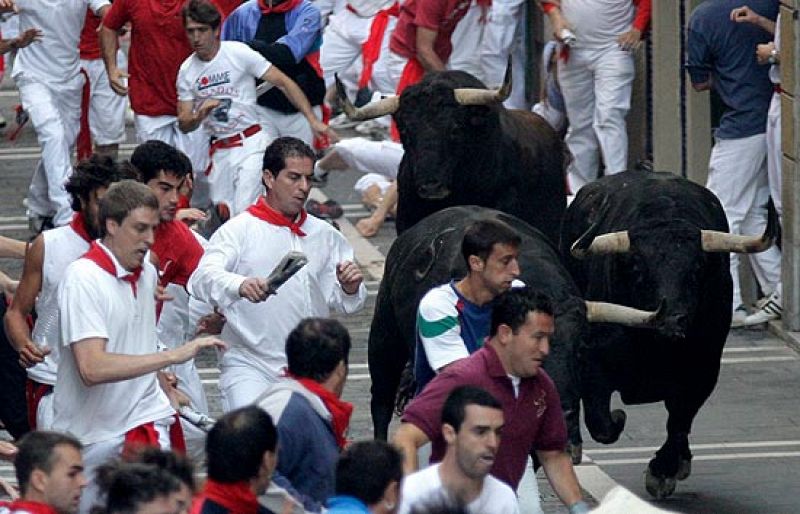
764,52
320,129
117,79
254,289
7,451
349,276
31,355
211,323
27,37
191,214
744,14
630,40
189,350
8,6
161,294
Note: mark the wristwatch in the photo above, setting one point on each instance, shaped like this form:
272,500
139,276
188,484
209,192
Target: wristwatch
774,56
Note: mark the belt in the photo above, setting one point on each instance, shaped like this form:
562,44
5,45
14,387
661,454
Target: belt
777,88
233,141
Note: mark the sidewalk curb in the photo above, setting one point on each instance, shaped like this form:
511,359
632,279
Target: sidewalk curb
792,339
593,479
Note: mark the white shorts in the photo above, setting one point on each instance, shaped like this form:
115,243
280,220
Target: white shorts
277,124
367,156
106,108
235,176
165,128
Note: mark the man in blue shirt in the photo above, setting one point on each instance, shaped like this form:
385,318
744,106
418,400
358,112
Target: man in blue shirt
721,55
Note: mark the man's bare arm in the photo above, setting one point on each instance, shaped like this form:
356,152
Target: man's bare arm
408,439
11,248
426,55
561,475
16,318
108,46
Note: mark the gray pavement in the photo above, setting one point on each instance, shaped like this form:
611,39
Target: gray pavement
746,440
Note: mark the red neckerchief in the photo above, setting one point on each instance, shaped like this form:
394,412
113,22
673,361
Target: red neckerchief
237,497
263,211
78,224
340,410
32,507
286,6
101,258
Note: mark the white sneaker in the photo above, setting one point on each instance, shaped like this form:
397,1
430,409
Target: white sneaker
739,315
768,310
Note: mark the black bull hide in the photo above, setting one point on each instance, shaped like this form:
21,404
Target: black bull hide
429,254
679,363
484,155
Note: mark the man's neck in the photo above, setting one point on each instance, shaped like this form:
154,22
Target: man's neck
458,485
211,54
472,289
271,203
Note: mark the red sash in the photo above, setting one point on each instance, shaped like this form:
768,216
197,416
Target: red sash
146,436
84,143
371,49
412,73
34,392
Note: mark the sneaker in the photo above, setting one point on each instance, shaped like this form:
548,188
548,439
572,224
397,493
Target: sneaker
327,210
768,310
342,122
319,180
739,315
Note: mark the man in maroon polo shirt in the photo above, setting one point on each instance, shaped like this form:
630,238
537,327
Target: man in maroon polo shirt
509,368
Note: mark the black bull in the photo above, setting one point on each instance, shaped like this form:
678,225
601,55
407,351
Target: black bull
429,254
462,147
653,240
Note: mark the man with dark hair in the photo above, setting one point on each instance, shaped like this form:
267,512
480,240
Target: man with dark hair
309,397
241,450
177,465
244,250
453,319
136,488
217,89
472,421
106,391
49,473
509,367
45,262
368,477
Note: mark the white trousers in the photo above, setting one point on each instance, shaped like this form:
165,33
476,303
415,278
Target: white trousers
774,154
367,156
277,124
504,35
737,174
241,384
194,145
466,40
235,177
106,108
97,454
54,110
596,84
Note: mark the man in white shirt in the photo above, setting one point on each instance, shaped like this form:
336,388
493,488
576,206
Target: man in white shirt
50,83
106,392
216,88
244,250
472,421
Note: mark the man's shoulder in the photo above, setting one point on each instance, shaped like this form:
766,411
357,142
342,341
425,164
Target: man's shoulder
439,297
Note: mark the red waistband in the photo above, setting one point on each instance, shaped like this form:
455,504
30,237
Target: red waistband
777,88
233,141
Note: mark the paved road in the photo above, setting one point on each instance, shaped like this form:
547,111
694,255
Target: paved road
746,440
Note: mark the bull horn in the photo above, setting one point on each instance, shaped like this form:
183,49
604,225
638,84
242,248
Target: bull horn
602,312
613,242
715,241
371,110
474,96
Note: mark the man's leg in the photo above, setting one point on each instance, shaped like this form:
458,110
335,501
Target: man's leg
240,385
341,44
733,176
767,264
246,163
366,156
195,146
504,35
294,125
56,129
467,43
577,86
106,111
614,72
774,156
94,456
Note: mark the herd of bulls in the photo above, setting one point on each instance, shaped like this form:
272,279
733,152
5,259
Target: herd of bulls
637,266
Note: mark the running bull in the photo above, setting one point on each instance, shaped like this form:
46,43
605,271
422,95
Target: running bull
653,241
462,147
429,254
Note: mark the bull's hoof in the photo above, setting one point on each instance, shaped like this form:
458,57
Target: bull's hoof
576,453
658,487
684,469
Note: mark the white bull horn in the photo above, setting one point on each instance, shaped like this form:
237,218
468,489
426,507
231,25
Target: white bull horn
715,241
613,242
602,312
371,110
474,96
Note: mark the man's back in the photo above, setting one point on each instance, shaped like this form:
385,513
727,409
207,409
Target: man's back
724,51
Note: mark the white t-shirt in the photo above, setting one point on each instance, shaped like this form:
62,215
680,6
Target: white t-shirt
56,58
228,77
94,303
62,246
426,486
598,23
